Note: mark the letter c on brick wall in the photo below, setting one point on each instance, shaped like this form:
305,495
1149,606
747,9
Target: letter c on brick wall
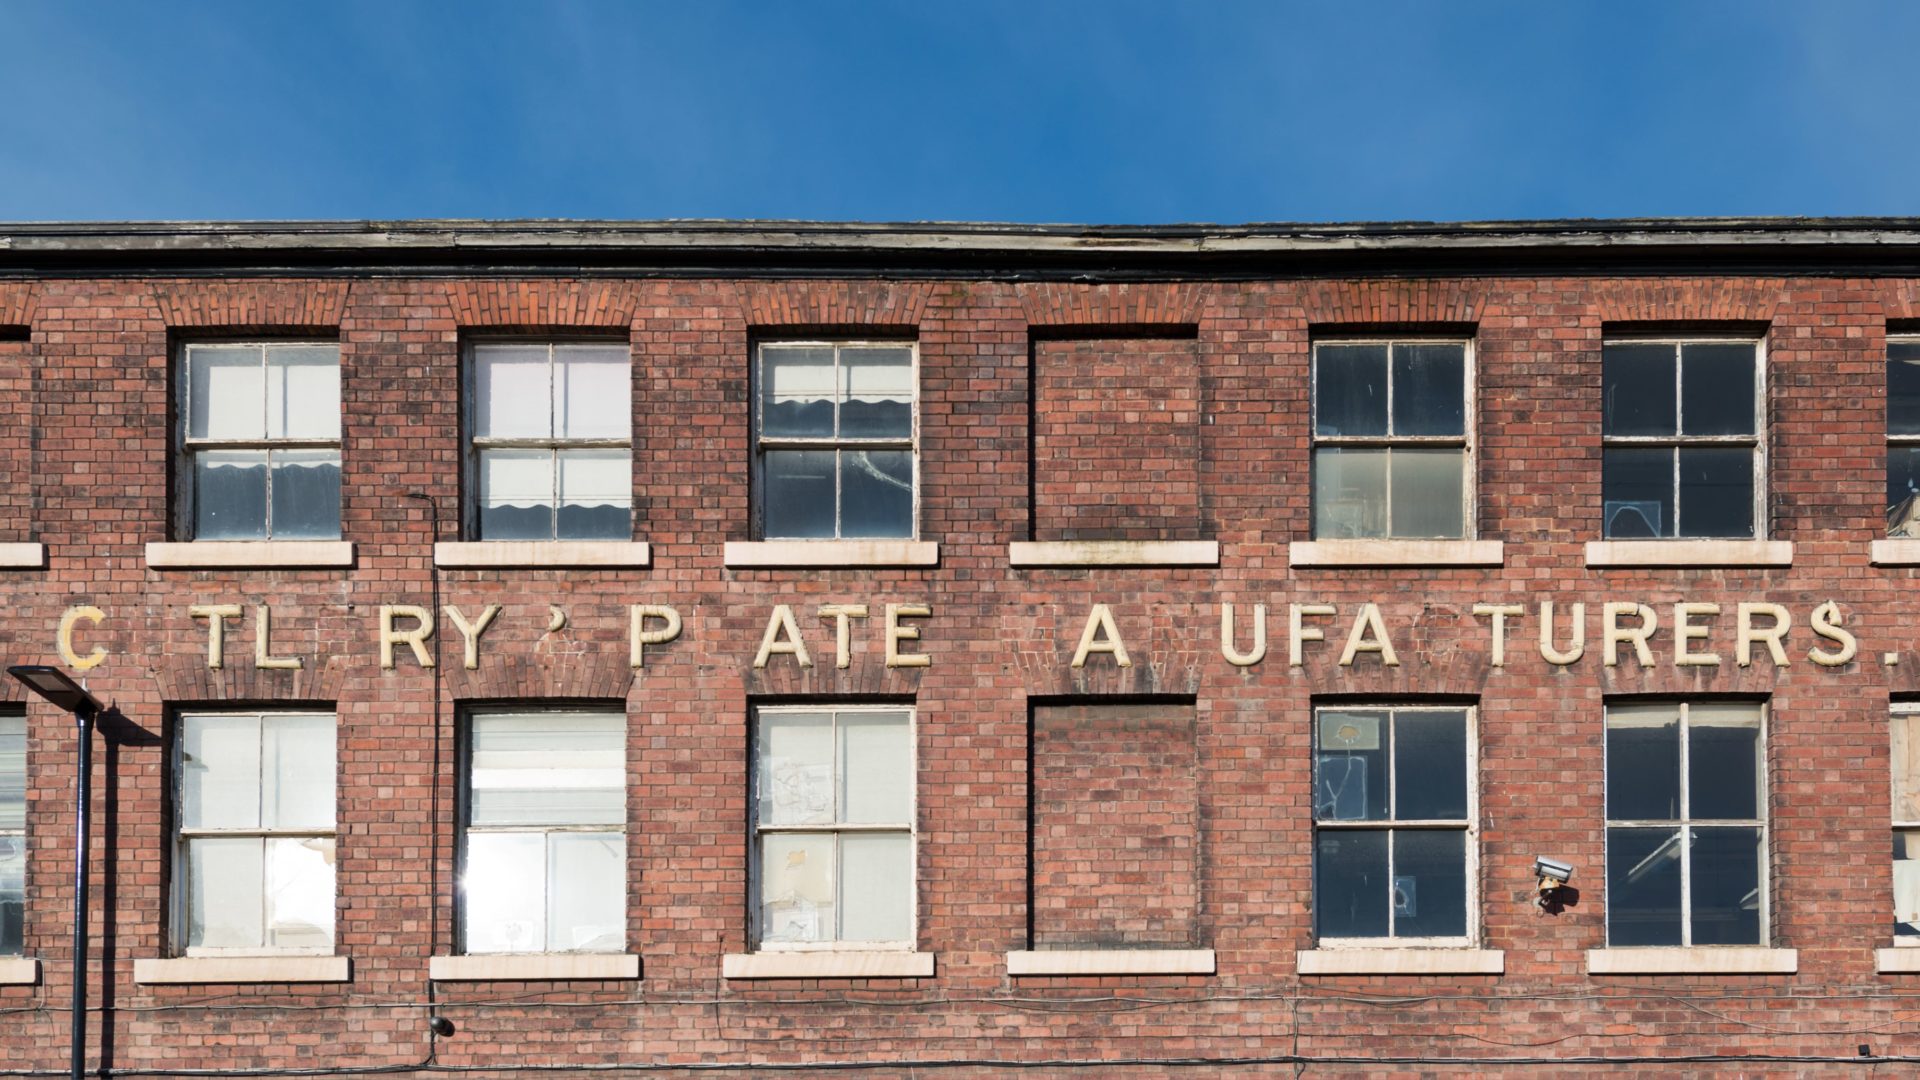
65,638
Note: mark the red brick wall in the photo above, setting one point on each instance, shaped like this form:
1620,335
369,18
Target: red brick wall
84,467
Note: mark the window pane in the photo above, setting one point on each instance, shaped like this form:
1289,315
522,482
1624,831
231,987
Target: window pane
512,392
303,391
596,494
297,766
1643,886
299,883
504,891
1906,766
1716,492
876,493
1637,490
227,391
1643,762
876,887
1903,388
1429,389
876,393
1723,761
593,391
13,894
548,769
876,766
1906,882
796,392
1726,886
226,877
799,496
588,911
1350,769
1903,481
306,494
516,494
796,768
1350,389
796,887
1429,883
1636,386
230,495
220,772
1427,496
13,772
1430,764
1350,887
1349,493
1716,389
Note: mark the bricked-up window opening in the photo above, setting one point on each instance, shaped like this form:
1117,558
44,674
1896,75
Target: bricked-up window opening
254,848
835,440
544,848
1394,811
1681,427
552,441
1686,824
1391,448
833,856
1906,822
13,833
1903,437
262,440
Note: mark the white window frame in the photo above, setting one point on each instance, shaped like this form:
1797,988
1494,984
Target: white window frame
185,512
1469,827
911,829
473,444
1897,441
1685,824
763,443
1465,442
1757,442
1899,825
466,827
182,868
18,835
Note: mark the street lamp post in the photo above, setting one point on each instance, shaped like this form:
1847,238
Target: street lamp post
54,685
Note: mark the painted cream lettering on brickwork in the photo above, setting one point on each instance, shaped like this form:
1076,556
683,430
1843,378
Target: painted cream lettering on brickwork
415,638
782,637
897,633
1369,634
64,637
1826,624
470,631
1101,635
1575,649
1772,635
1235,656
1500,613
1638,634
1686,632
843,629
556,618
639,637
1298,633
216,616
262,644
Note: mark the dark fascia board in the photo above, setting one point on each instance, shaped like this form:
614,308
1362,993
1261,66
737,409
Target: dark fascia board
1090,252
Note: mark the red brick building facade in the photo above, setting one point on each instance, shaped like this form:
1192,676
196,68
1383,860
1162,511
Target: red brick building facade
1119,844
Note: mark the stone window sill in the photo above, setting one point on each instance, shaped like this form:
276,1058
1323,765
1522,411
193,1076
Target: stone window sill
1699,960
1111,962
19,971
1722,553
1081,553
1397,553
1371,961
1900,960
1901,552
827,965
243,969
23,556
829,553
250,554
505,554
536,967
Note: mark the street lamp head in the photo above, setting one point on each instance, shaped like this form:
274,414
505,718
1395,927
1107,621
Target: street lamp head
56,686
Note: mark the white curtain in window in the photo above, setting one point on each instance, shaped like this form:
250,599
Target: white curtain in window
512,391
303,392
593,392
227,392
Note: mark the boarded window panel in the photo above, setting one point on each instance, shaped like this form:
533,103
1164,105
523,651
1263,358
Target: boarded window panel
1115,826
1906,766
1116,440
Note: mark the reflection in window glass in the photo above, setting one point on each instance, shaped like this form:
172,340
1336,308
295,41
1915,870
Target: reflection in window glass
13,836
1680,424
1903,437
835,441
1905,759
1390,454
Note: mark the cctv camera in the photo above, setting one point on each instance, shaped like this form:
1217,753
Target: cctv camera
1552,872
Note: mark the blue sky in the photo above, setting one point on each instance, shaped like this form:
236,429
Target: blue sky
1015,111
